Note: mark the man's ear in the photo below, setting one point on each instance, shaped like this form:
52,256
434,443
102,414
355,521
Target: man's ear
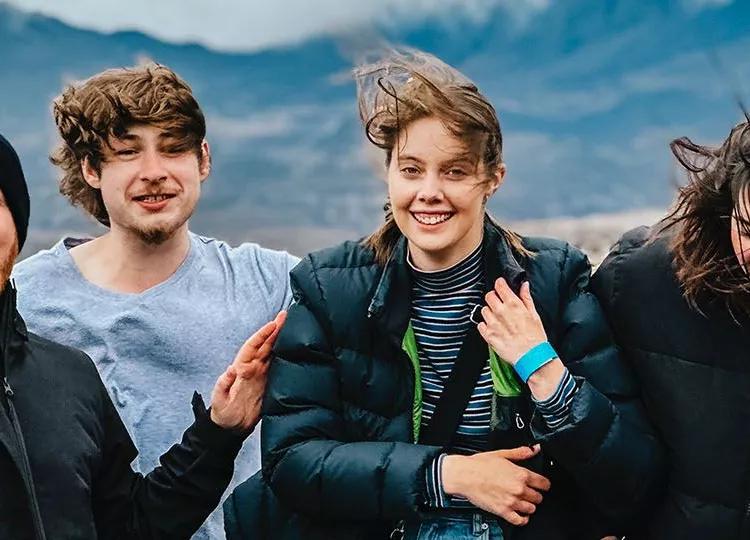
204,165
90,174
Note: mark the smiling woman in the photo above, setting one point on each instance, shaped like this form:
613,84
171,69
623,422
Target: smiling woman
444,135
401,402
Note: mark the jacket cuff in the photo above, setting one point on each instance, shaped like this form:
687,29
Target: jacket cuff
579,438
555,409
210,435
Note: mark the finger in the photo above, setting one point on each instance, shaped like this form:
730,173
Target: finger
252,370
526,298
253,345
532,496
489,316
225,380
514,518
263,333
493,301
264,352
524,507
537,481
520,453
483,330
505,293
280,318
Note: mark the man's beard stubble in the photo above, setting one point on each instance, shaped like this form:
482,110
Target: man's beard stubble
155,237
6,264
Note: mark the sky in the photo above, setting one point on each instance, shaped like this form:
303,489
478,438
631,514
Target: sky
245,25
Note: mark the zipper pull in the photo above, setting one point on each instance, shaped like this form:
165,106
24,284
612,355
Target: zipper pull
398,532
519,422
7,388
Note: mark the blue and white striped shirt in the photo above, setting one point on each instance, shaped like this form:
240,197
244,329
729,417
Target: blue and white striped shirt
441,309
442,302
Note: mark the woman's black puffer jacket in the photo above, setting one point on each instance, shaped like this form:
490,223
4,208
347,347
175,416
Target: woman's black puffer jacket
694,372
338,416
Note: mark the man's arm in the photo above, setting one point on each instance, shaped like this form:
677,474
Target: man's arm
174,499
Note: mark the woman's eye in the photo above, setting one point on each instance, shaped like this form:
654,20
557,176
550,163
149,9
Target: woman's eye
125,152
456,173
410,171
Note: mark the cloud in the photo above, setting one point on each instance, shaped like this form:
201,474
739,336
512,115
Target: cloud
262,125
249,25
693,6
280,122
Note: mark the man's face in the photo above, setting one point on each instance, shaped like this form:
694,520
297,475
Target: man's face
150,182
8,242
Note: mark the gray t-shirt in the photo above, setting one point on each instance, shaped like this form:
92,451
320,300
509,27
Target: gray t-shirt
155,348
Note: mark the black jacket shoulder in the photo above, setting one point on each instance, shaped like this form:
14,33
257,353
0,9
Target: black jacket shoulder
64,361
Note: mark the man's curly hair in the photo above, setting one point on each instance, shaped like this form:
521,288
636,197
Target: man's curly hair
89,114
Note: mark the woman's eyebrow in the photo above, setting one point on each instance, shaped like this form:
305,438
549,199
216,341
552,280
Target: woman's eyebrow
464,158
409,157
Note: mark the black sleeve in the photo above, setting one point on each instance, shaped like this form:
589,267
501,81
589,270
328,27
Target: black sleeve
309,460
174,499
608,444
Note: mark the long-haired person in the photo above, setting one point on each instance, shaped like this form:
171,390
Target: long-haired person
421,369
678,298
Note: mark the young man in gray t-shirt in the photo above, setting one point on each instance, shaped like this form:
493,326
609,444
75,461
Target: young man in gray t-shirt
152,303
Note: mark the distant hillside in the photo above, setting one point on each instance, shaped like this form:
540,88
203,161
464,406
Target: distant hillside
594,234
589,94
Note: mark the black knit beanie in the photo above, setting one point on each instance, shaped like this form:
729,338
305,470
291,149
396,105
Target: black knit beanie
13,186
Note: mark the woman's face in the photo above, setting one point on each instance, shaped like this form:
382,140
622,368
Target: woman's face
739,234
437,194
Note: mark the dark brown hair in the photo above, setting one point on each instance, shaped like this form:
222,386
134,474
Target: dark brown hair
718,180
90,113
406,86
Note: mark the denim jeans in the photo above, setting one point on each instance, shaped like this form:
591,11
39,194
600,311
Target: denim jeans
454,526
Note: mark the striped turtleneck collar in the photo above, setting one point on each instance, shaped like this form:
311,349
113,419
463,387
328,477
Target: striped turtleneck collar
456,273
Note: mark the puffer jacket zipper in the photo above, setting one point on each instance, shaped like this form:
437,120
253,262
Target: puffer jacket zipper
26,473
745,526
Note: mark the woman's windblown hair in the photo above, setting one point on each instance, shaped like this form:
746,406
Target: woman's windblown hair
405,86
717,191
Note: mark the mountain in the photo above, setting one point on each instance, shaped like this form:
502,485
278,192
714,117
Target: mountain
589,94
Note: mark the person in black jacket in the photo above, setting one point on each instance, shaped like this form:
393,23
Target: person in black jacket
65,455
362,434
678,298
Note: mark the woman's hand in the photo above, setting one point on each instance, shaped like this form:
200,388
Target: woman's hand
511,324
493,482
238,393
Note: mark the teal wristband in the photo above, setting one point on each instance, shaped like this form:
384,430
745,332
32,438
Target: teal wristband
533,359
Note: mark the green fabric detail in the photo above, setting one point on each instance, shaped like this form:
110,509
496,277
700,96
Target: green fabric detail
409,345
504,379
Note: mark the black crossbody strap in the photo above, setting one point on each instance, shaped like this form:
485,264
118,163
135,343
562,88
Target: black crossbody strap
471,360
